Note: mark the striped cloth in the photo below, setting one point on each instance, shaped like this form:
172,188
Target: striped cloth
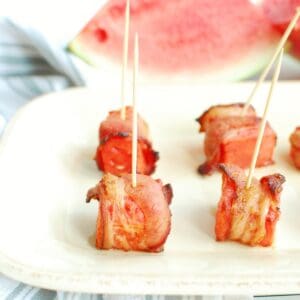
30,65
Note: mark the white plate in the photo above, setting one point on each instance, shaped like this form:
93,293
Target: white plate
47,229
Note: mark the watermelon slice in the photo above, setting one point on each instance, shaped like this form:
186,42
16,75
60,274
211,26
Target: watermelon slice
280,13
208,38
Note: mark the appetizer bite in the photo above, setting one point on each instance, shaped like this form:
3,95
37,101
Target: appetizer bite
230,138
295,147
235,143
249,209
132,218
248,215
113,154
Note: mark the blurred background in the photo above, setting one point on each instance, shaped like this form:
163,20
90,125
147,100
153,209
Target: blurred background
181,41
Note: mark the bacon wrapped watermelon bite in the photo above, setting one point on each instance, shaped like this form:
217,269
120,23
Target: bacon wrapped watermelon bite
113,154
295,147
132,218
249,209
248,215
230,138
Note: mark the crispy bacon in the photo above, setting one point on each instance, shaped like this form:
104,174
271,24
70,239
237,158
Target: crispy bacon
248,216
132,218
295,147
113,125
232,140
223,111
113,154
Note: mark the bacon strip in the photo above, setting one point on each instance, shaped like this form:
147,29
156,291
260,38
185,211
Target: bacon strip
248,216
295,147
113,125
232,140
113,154
223,111
132,218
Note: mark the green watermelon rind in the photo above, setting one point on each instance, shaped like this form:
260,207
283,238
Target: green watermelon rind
246,68
76,48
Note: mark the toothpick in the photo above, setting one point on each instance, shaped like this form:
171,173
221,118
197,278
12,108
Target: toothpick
275,55
125,59
264,120
134,117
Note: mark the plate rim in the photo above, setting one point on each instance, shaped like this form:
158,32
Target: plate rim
145,285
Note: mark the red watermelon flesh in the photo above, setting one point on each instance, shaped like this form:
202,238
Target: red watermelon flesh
210,37
280,13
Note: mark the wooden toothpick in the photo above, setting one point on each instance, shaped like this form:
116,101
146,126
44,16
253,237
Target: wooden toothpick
134,106
275,55
264,120
125,59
